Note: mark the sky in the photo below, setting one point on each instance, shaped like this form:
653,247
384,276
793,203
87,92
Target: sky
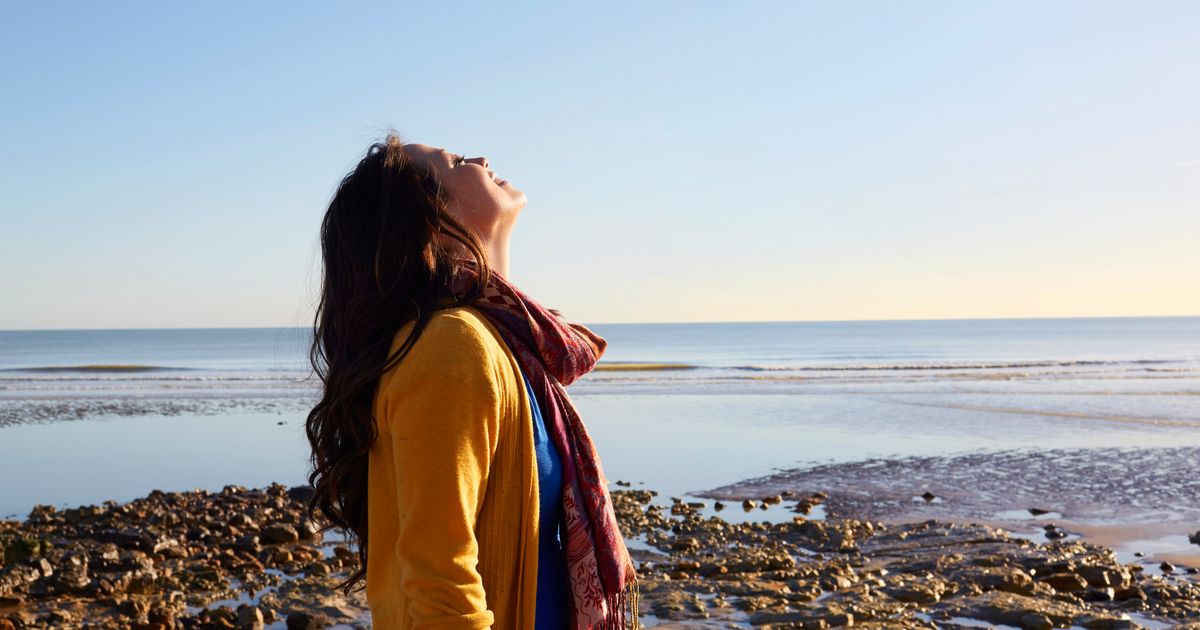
167,164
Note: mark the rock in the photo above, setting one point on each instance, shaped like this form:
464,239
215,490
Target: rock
42,566
1064,582
134,608
1101,577
301,494
677,604
161,615
305,621
1167,567
1054,532
61,617
249,618
1015,610
1007,579
1100,594
244,521
19,549
1194,538
248,542
781,617
1036,621
279,533
71,577
307,529
804,506
916,594
1132,592
685,545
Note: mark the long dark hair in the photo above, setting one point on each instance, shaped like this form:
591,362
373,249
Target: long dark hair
383,266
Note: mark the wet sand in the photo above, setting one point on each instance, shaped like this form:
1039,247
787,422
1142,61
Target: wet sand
1135,501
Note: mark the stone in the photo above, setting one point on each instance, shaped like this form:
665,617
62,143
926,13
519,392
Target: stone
1101,577
279,533
1132,592
916,594
306,621
249,618
134,608
42,566
301,494
19,549
1036,621
1007,579
1064,582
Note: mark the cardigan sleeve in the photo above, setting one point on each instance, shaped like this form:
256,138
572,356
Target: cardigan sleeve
441,407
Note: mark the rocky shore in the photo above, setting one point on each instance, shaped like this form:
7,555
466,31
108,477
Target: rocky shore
247,558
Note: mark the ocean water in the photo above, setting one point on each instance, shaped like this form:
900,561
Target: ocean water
87,416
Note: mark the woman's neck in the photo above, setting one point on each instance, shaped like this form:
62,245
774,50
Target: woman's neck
497,251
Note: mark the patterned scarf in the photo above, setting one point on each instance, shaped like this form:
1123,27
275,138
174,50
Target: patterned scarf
554,353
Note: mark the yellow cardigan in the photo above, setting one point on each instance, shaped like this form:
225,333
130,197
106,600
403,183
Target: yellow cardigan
452,489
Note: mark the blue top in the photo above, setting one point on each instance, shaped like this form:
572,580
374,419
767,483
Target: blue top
553,587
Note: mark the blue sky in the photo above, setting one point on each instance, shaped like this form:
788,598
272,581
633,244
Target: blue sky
167,164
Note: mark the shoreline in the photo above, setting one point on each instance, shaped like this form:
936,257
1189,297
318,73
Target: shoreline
247,558
1132,500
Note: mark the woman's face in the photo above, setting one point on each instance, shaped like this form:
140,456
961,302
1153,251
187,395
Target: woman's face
488,204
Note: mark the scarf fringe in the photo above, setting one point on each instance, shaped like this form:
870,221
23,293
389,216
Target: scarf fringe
622,602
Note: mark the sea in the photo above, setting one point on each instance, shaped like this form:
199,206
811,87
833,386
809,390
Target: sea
93,415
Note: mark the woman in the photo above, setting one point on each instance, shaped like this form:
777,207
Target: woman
444,442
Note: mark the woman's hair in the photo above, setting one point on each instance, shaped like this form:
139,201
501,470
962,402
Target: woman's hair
383,266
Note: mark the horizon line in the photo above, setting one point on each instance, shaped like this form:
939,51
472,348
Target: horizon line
742,321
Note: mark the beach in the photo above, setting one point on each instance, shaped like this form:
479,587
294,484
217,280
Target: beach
1044,445
250,558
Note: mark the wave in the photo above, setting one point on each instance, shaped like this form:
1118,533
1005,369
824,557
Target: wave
642,367
98,368
886,367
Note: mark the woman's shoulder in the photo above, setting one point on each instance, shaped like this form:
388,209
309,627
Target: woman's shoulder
453,339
